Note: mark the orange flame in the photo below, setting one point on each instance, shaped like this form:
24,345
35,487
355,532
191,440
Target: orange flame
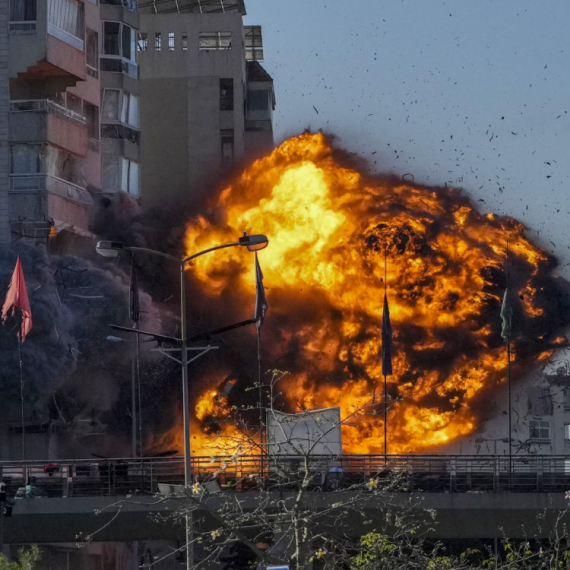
329,229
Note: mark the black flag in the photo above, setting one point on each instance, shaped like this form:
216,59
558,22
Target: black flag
260,300
134,303
506,316
386,340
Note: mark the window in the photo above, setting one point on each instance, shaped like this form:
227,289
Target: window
133,111
142,42
110,111
110,179
567,432
92,117
128,43
74,104
133,184
111,31
157,41
540,401
539,430
253,43
215,40
120,106
227,139
119,47
184,41
226,94
170,41
121,174
127,4
26,159
92,52
22,15
258,100
65,21
119,40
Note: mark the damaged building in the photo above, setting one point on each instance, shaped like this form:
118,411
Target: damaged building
118,100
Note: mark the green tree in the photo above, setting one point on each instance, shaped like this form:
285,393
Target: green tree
26,561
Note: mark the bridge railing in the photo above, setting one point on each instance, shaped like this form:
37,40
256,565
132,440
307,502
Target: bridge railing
452,473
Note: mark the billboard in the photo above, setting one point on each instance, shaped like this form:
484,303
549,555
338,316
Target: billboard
315,432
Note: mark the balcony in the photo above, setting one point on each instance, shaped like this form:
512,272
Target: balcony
40,120
46,41
37,197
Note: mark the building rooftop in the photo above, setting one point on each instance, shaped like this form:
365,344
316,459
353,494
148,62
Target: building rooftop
191,6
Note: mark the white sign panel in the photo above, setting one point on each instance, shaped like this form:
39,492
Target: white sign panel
317,432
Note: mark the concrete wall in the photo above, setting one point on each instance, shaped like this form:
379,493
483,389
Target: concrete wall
458,515
181,118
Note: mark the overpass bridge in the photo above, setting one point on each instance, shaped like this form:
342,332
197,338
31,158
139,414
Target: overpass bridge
475,496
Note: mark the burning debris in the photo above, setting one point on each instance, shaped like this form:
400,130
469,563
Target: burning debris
330,229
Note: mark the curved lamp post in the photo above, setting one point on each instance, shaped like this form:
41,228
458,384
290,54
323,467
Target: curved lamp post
113,248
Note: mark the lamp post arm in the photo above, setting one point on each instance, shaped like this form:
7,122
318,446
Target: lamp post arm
186,259
154,252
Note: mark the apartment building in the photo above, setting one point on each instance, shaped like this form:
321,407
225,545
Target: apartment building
64,58
77,75
540,416
206,101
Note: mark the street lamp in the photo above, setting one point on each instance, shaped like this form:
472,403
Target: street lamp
113,248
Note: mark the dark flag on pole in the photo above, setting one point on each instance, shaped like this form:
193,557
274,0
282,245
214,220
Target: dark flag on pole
506,316
386,340
134,302
261,305
17,298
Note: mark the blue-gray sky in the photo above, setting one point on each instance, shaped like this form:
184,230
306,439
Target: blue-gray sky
472,93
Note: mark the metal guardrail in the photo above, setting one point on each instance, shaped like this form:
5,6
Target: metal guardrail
38,182
42,105
428,473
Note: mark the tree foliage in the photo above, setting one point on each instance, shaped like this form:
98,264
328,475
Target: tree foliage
26,560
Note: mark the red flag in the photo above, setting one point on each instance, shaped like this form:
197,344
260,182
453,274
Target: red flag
17,297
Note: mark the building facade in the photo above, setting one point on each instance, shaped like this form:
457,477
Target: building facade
78,78
64,58
540,417
206,102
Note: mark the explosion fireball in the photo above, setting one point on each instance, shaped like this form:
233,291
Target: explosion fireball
330,228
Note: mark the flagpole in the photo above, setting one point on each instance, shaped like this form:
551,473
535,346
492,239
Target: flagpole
385,377
22,395
509,368
260,309
138,361
261,451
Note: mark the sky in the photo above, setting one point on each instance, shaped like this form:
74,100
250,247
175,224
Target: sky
473,94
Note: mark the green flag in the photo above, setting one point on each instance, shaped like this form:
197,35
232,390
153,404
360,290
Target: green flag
506,316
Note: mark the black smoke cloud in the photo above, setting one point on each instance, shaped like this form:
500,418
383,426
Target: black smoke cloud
66,357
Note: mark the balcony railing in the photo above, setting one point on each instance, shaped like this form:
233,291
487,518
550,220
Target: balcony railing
37,182
23,27
131,5
421,473
47,105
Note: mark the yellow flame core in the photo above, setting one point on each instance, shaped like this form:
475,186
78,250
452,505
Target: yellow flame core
329,230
